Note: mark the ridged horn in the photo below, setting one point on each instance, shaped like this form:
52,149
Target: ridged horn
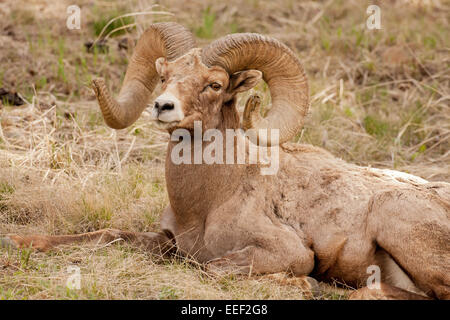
281,70
167,39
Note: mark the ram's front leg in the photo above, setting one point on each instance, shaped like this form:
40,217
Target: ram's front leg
257,261
158,243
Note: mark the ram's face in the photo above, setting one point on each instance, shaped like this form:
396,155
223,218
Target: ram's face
192,91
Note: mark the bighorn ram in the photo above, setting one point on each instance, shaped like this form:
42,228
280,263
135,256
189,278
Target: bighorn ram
318,215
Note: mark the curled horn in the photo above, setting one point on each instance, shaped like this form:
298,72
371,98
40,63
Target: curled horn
281,70
169,40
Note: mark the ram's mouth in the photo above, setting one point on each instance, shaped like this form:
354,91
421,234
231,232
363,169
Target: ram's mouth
166,125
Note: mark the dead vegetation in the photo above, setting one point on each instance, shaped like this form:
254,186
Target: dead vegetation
379,98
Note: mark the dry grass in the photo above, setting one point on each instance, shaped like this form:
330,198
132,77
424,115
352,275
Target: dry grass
379,98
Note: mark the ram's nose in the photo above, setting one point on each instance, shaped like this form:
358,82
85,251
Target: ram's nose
167,108
163,106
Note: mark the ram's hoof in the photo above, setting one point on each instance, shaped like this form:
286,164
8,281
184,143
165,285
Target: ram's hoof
310,287
314,287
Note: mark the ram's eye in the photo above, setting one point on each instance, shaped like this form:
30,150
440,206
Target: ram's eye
163,79
215,86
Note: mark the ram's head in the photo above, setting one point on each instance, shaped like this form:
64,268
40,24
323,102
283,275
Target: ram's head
198,83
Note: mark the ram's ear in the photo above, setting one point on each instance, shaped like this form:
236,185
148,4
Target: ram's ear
244,80
159,64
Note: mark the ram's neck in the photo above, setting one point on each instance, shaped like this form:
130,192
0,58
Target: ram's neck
196,189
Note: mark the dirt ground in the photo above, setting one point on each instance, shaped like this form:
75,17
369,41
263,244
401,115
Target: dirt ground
378,98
